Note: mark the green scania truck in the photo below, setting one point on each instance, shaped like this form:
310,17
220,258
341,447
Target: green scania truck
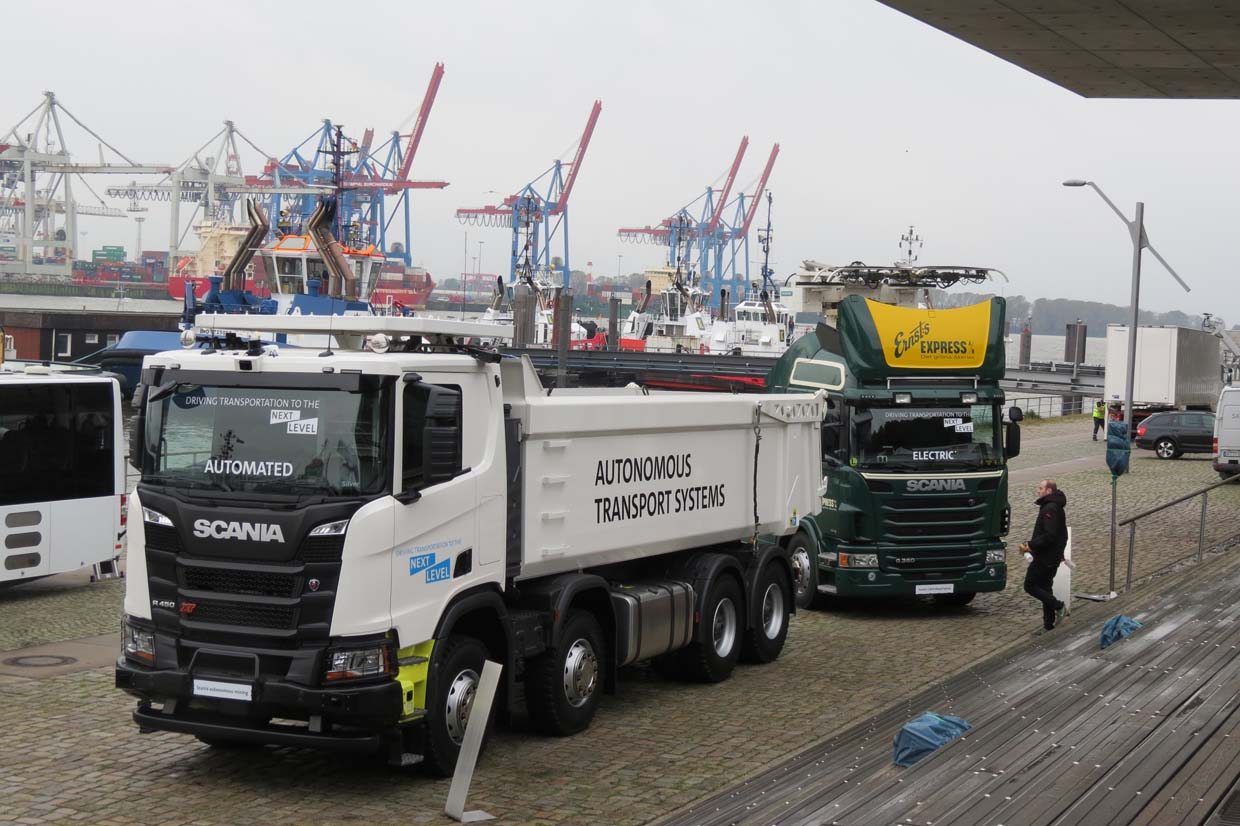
915,482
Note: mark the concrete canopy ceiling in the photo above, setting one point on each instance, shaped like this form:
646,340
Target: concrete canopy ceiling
1103,48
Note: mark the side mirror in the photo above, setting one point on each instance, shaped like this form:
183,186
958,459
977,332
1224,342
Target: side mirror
1015,414
1011,439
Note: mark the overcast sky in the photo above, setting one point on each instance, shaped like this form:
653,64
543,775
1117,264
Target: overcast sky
883,122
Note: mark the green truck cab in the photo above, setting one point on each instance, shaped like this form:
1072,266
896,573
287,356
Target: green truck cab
915,482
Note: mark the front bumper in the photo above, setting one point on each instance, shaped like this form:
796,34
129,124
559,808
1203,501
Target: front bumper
877,582
345,718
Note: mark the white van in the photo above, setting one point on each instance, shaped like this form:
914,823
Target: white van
62,472
1227,432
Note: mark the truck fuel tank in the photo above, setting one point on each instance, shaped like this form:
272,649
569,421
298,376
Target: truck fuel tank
652,618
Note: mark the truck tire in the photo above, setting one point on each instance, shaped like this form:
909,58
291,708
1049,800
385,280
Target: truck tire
1165,448
456,667
765,640
722,624
563,685
804,569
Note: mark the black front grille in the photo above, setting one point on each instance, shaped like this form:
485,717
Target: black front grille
322,549
231,581
248,614
162,538
933,519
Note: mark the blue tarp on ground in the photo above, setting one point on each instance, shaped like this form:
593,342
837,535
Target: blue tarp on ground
1118,627
925,734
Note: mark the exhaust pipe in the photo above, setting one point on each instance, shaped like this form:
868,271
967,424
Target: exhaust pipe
645,302
253,237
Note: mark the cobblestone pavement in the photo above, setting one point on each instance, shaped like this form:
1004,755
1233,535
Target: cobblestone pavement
654,747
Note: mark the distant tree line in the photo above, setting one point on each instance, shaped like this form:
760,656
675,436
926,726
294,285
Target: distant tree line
1050,316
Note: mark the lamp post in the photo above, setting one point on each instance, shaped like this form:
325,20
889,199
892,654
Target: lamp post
1136,231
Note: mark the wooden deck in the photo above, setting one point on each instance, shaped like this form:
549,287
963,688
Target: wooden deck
1146,732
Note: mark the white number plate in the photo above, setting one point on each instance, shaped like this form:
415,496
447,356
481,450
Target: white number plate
1231,452
936,588
222,691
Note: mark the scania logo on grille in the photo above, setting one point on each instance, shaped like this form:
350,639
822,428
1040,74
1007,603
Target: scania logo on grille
313,584
924,485
904,560
251,531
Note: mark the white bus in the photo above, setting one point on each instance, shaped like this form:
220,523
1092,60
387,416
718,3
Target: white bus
62,473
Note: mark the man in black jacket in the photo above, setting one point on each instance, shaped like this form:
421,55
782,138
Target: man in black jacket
1050,537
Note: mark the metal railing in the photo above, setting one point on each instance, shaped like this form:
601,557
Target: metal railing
1132,521
1046,407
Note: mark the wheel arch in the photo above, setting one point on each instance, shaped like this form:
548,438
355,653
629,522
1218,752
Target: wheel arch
480,613
560,595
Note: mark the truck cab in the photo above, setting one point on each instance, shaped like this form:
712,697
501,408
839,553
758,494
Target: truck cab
914,478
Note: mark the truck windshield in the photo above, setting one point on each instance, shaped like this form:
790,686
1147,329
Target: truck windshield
330,442
926,437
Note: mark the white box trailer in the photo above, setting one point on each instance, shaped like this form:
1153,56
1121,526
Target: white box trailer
1177,367
340,538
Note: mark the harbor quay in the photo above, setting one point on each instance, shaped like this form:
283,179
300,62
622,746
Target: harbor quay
655,748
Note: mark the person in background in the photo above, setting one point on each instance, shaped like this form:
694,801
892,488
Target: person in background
1050,537
1100,418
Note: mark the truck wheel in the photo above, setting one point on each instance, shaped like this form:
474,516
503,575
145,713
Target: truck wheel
712,660
804,570
954,600
765,640
563,686
1166,449
456,668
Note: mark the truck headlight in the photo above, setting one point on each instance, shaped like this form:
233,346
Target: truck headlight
360,661
968,398
858,560
331,528
998,557
903,398
155,518
138,643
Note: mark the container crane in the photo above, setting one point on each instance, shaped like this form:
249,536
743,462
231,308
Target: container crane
370,174
38,210
744,207
540,215
705,248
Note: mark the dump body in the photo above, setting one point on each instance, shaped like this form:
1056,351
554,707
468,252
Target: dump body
1177,367
612,476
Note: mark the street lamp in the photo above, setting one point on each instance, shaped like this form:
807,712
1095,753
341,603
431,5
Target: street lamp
1136,230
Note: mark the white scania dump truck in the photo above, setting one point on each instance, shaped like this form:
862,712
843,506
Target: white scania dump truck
326,545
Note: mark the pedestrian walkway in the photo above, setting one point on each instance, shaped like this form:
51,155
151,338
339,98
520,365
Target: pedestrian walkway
1146,732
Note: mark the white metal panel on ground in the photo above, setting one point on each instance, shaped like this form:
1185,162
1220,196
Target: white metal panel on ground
624,475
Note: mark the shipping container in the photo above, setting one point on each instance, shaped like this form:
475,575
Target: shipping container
1177,367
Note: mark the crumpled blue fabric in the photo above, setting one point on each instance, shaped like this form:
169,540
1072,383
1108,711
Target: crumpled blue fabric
926,733
1119,449
1116,628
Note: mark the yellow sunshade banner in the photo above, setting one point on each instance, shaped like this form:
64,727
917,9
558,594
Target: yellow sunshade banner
932,338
